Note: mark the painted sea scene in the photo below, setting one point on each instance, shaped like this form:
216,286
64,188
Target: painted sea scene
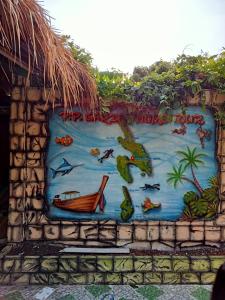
136,172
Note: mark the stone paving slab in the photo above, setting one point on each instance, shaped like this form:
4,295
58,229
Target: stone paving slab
106,292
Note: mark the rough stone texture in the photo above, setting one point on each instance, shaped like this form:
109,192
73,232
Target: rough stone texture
76,269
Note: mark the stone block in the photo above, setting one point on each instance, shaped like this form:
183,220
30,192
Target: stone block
140,233
14,174
4,279
216,262
37,204
49,265
30,265
34,233
11,265
19,159
181,264
107,233
51,232
68,264
182,233
31,217
13,111
190,278
69,232
123,264
105,263
58,278
133,278
17,234
124,232
39,278
19,128
33,94
17,190
20,279
77,278
197,233
162,264
212,233
113,278
14,143
171,278
17,94
220,221
15,218
153,278
167,233
201,264
208,278
143,264
38,143
33,129
153,233
39,112
89,232
21,111
87,263
95,278
21,203
12,204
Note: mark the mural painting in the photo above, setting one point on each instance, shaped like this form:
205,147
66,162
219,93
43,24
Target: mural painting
132,166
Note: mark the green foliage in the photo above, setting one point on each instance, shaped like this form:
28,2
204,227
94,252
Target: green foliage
112,84
190,197
191,158
176,176
202,206
126,206
163,84
80,54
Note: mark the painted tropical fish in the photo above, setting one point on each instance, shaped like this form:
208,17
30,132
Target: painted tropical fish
107,153
146,187
148,205
95,152
65,140
63,169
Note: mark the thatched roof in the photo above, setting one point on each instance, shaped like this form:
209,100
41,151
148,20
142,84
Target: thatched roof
27,40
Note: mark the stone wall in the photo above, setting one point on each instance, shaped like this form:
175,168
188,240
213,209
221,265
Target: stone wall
81,269
27,207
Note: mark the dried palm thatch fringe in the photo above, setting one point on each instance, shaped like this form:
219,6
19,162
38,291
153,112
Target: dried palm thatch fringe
26,38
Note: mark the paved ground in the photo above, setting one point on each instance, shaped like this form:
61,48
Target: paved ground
106,292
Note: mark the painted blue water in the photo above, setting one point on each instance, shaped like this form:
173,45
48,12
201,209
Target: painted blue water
161,145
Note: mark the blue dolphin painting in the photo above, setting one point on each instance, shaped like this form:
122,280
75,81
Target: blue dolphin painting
63,169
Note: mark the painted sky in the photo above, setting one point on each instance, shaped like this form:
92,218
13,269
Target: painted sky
128,33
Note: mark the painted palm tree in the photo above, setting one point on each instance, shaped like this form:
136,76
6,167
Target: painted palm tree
191,158
178,176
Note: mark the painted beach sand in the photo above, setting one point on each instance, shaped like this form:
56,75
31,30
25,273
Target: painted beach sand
159,143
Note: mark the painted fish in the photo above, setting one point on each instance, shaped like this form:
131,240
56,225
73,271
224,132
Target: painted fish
65,140
151,187
108,153
63,169
95,152
148,205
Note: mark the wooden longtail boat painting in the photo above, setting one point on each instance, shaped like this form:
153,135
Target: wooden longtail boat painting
87,203
150,168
